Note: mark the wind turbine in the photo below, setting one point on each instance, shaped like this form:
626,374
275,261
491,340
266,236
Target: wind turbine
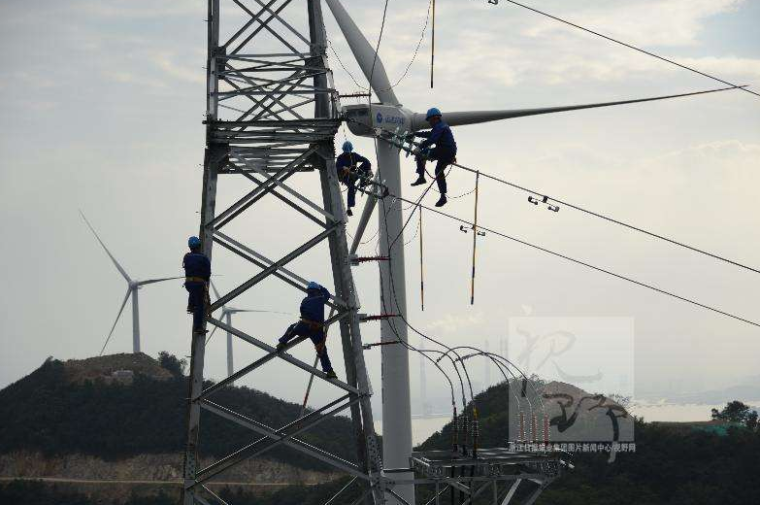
132,290
390,115
226,316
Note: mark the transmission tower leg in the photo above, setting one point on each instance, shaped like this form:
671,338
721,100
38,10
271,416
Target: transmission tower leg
275,138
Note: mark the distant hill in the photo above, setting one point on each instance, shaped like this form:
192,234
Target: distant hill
493,414
674,464
95,407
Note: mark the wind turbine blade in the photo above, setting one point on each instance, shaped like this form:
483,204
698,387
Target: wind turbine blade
473,117
153,281
213,287
262,311
116,263
211,334
129,292
364,53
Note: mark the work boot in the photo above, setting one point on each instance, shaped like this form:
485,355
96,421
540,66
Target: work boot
280,347
420,181
331,374
441,201
350,212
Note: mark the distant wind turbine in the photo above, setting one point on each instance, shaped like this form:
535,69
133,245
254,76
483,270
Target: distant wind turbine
226,316
132,287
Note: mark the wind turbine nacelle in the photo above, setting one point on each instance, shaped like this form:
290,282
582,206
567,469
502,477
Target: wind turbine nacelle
387,117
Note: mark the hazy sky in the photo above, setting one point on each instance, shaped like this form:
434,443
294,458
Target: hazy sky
102,106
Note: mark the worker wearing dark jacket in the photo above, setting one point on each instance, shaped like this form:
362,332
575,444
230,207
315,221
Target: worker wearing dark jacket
444,152
312,325
352,166
197,274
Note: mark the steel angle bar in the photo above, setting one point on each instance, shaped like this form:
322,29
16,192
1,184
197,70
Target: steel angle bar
254,86
297,195
254,449
280,197
362,497
259,362
448,480
202,500
271,55
262,189
254,18
511,492
287,357
216,496
256,103
266,263
260,65
245,202
243,371
246,256
257,82
399,498
285,23
286,123
264,25
270,269
477,493
534,496
295,443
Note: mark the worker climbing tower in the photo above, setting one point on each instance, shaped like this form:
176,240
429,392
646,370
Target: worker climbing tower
272,114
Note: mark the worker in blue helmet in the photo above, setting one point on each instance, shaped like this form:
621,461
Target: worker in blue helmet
438,145
312,325
197,275
352,167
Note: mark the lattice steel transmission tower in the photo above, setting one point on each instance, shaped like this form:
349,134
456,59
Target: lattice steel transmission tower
272,114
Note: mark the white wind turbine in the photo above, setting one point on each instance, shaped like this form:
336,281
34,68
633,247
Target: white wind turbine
132,290
226,316
391,116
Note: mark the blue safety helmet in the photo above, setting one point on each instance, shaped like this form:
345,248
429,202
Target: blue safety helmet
193,242
347,146
313,286
433,111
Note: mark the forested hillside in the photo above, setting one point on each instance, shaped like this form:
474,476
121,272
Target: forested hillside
54,412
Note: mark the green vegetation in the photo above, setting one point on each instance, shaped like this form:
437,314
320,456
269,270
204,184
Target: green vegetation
737,412
674,463
47,413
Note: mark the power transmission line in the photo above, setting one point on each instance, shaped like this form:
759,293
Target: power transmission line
599,215
583,263
629,46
